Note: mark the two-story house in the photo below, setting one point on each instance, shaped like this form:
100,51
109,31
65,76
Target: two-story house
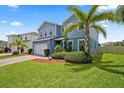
27,38
51,34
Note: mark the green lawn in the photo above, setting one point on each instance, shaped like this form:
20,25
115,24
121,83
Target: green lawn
108,71
10,56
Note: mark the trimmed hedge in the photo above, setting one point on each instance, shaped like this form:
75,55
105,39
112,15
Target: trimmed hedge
46,52
75,57
30,51
2,50
15,53
59,55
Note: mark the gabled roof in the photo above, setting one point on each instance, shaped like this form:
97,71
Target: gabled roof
33,33
69,18
46,22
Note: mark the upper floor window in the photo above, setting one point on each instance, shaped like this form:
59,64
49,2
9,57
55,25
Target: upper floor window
45,34
26,38
41,35
62,29
80,28
50,33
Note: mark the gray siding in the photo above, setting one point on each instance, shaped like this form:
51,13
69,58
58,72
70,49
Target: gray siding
52,45
76,34
46,28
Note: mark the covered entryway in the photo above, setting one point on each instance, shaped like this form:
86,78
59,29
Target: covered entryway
39,48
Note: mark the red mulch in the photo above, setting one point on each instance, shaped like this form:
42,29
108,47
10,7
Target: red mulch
48,61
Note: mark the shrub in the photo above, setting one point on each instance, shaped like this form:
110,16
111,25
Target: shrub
75,57
59,55
15,53
2,50
46,52
58,48
30,51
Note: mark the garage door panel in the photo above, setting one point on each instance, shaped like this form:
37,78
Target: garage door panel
39,48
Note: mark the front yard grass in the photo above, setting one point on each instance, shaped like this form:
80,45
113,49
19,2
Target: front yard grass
106,71
10,56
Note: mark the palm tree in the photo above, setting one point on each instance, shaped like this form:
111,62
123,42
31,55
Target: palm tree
120,14
89,20
18,43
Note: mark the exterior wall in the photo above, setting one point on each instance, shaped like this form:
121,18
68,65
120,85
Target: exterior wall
46,28
3,45
10,40
93,41
76,34
52,45
30,38
58,31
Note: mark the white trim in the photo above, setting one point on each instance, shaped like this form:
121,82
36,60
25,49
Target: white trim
72,43
78,42
55,31
62,28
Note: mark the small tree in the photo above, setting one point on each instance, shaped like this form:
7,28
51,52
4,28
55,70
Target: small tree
19,44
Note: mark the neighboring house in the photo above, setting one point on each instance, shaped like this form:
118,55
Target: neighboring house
28,38
3,44
51,34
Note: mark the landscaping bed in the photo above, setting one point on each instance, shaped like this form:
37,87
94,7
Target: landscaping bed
48,61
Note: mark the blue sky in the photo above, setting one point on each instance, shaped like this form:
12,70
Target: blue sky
21,19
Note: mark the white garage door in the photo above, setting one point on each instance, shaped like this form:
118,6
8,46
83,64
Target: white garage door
39,48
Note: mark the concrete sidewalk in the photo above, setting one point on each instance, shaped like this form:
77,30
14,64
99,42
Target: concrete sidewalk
4,54
18,59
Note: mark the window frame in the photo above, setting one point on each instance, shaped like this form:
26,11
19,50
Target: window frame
72,43
78,43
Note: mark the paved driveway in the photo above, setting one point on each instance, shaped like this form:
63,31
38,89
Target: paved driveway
18,59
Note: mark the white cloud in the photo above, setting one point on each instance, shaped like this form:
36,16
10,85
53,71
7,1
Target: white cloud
12,32
16,23
13,6
107,7
4,21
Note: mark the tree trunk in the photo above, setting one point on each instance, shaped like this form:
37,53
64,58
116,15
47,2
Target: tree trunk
87,50
18,49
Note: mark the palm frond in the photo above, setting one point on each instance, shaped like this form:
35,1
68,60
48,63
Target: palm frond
92,11
120,14
70,28
104,16
100,29
77,12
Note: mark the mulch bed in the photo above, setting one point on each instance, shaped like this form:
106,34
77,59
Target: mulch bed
48,61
